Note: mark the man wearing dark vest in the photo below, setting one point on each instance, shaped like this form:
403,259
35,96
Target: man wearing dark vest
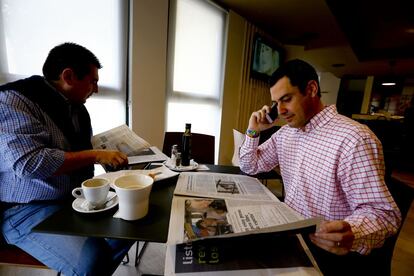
46,151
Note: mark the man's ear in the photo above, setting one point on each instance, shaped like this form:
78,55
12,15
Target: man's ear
68,76
312,88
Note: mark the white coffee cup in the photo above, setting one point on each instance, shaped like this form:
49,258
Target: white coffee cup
133,193
94,190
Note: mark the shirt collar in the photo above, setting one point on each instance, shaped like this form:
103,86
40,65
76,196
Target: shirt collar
60,93
320,119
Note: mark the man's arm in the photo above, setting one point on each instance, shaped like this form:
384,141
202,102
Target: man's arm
29,149
255,158
375,216
80,159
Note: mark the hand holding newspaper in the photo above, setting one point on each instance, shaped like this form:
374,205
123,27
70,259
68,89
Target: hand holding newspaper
227,206
122,138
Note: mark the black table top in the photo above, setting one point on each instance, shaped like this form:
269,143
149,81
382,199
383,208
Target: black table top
153,227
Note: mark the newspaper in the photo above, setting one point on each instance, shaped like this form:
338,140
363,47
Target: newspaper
222,185
122,138
214,219
227,205
246,256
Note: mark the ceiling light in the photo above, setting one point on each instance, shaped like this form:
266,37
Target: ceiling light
388,83
410,30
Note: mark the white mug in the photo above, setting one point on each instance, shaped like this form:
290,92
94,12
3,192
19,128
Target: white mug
133,193
94,190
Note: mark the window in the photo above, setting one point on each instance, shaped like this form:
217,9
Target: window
196,67
30,28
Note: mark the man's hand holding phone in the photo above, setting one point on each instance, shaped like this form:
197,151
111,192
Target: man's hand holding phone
264,118
272,115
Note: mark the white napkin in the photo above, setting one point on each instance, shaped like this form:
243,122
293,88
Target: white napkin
202,168
160,173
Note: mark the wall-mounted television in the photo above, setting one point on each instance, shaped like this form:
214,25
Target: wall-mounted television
266,58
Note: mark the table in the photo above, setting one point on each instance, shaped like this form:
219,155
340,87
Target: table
153,227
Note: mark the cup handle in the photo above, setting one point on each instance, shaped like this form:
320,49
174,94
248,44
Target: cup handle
78,193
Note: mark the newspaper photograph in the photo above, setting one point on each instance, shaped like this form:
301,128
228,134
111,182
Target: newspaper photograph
201,218
220,185
122,138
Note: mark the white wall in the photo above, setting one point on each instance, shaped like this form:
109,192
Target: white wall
148,70
329,87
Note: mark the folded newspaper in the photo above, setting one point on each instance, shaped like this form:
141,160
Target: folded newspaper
122,138
215,205
226,224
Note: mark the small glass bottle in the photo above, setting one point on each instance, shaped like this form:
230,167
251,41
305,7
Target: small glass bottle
174,151
178,159
186,146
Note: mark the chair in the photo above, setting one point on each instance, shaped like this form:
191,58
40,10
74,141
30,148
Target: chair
403,196
238,139
202,146
14,256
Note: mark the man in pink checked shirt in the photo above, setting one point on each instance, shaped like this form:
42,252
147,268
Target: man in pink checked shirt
332,167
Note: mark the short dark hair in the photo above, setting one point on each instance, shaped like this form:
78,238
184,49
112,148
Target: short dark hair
69,55
299,73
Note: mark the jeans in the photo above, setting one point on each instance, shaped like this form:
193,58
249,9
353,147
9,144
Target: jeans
71,255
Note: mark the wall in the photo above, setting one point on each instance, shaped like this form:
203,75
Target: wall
147,75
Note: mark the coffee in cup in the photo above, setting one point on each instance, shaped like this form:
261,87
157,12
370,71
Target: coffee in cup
94,191
133,193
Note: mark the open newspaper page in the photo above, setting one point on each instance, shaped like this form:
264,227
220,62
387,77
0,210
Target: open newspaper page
221,185
203,218
122,138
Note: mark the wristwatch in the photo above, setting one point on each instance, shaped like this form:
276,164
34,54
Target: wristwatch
252,133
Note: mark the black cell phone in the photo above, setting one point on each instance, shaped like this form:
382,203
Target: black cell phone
272,115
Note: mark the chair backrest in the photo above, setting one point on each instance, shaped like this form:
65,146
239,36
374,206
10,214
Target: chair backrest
403,196
238,139
12,255
202,146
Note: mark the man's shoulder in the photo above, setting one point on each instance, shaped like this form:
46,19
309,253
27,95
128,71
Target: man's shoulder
13,97
350,128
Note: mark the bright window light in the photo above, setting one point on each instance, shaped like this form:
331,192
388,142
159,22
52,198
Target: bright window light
198,48
30,28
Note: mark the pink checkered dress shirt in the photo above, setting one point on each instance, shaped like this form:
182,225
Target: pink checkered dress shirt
333,168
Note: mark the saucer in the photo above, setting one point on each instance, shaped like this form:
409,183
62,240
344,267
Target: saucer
193,166
77,204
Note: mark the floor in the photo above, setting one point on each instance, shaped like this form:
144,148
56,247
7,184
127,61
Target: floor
403,259
152,263
153,260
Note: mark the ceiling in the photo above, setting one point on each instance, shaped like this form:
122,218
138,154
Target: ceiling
344,37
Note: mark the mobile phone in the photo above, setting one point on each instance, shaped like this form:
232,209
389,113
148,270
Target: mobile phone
272,115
